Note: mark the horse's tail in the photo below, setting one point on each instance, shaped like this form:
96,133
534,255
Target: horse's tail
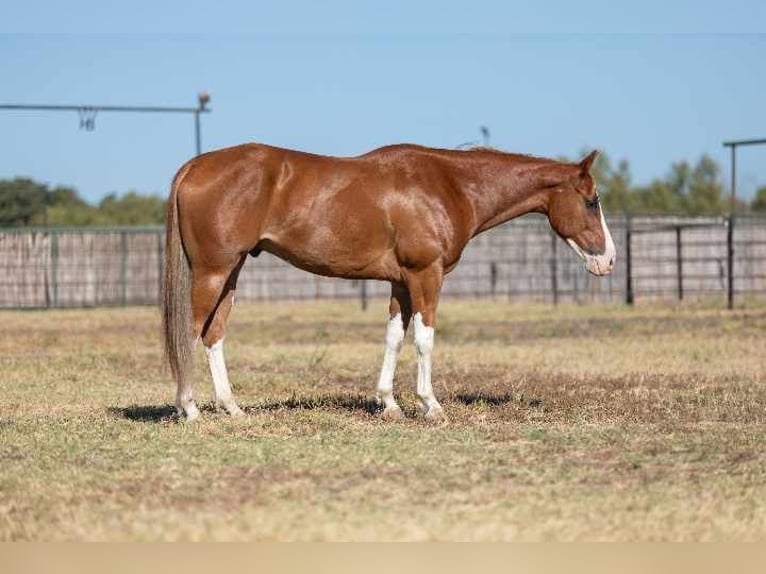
176,291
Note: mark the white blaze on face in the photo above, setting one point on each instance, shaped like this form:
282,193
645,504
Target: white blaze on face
598,264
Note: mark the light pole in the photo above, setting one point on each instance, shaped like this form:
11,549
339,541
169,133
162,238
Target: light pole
484,130
484,136
203,98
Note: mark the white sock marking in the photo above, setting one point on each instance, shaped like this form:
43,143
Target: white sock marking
424,345
394,338
220,375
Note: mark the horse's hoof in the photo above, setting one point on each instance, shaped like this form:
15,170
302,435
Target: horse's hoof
234,411
231,409
436,415
392,414
192,413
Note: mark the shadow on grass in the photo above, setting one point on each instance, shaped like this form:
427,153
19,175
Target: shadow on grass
353,403
164,413
350,403
145,414
493,400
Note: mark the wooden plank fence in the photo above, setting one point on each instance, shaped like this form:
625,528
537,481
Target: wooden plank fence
671,257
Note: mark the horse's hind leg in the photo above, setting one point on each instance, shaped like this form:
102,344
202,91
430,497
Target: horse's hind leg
213,334
213,337
207,291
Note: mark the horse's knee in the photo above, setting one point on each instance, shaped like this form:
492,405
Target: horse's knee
394,332
424,336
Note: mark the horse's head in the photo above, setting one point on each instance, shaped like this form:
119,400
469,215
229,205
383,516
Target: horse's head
574,212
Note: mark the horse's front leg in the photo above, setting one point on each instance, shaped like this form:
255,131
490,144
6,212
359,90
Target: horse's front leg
424,287
399,313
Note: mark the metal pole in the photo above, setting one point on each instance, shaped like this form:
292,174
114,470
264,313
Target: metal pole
730,230
554,270
733,178
732,209
484,136
67,108
629,298
203,99
197,137
730,261
679,264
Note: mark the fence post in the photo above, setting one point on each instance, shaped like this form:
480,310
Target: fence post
730,260
54,267
554,270
159,267
629,298
679,264
492,278
123,267
363,294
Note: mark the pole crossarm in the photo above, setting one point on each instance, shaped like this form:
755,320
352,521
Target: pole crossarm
88,112
52,108
734,143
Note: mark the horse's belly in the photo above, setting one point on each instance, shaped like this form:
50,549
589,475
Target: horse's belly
332,256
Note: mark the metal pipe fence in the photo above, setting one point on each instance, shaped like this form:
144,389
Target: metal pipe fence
658,257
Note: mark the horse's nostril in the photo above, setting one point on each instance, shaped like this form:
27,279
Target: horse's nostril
611,261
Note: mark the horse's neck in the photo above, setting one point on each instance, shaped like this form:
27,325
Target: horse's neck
501,187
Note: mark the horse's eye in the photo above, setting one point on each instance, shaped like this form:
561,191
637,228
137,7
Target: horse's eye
591,203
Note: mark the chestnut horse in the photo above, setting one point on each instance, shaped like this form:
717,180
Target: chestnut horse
401,214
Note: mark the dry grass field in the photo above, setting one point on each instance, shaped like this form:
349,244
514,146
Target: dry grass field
573,423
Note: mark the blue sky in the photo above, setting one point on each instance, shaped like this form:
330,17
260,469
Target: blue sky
429,77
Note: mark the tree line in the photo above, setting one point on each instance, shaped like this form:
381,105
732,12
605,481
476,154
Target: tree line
686,189
24,201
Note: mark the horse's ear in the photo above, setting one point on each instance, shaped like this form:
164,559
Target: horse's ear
587,161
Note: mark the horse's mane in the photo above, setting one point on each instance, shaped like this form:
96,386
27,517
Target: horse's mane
465,152
498,151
